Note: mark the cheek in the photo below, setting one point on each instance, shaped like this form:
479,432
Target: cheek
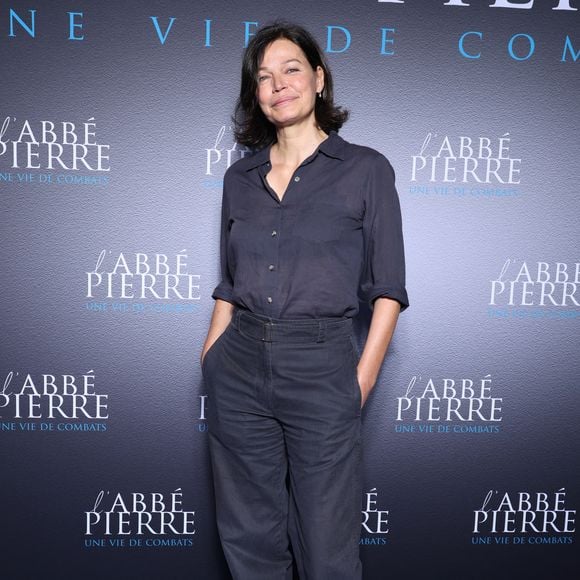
262,95
309,86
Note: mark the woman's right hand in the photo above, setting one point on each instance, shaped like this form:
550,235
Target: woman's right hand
220,319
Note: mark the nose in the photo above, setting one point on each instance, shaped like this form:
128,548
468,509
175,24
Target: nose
277,84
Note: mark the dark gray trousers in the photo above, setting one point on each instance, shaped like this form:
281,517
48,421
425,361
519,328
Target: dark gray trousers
284,433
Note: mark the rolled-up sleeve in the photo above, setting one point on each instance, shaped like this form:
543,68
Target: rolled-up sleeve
225,289
384,267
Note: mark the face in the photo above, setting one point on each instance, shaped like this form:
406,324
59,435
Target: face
287,84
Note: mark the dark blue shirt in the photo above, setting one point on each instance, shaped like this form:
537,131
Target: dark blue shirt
335,237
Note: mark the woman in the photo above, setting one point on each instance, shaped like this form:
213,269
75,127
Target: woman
310,223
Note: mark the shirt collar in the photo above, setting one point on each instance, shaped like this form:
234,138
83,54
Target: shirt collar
334,147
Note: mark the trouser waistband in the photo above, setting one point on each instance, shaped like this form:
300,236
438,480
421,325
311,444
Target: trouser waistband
269,329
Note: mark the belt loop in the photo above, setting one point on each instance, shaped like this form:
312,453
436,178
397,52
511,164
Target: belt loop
267,332
321,331
236,318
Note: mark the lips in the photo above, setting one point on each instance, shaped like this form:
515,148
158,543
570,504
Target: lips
283,101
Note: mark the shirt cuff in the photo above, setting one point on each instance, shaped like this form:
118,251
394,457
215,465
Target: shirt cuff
223,292
398,294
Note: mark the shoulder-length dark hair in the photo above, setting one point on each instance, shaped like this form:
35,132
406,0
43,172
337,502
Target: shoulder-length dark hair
251,128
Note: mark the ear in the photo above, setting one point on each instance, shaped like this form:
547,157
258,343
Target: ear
319,79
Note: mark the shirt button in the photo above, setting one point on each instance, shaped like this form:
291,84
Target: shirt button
271,267
274,233
297,178
269,299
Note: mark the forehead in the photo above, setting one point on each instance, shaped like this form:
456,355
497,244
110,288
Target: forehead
280,51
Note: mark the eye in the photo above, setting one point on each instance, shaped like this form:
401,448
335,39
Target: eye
292,70
263,78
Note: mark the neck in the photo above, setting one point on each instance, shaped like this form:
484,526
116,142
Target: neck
294,144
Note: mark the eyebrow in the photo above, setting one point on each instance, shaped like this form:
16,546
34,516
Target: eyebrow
285,62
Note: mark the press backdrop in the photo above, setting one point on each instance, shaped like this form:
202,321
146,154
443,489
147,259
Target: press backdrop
115,134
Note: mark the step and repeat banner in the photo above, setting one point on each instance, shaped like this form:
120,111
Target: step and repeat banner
115,134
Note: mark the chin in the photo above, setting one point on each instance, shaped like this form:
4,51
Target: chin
281,121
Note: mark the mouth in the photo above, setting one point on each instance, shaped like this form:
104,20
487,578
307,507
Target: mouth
284,101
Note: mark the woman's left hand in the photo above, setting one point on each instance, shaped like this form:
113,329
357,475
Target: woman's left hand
366,385
383,322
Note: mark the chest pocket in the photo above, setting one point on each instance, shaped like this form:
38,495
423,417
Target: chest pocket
324,222
248,229
246,223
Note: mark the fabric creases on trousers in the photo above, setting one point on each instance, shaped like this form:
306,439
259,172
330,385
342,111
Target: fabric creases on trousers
284,435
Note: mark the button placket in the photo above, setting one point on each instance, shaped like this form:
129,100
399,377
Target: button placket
272,259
